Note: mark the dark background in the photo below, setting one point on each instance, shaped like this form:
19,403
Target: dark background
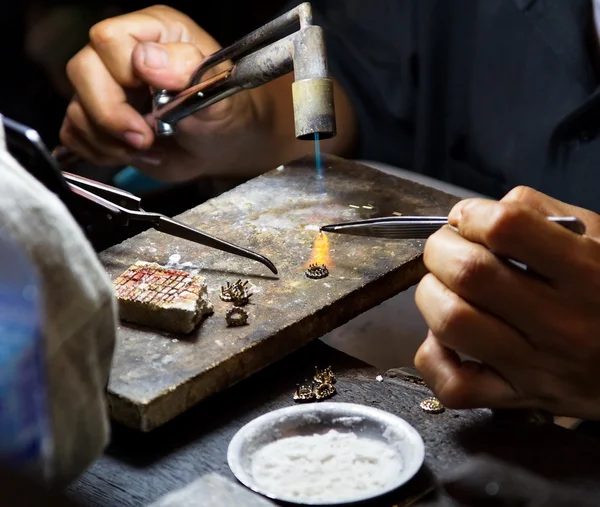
37,37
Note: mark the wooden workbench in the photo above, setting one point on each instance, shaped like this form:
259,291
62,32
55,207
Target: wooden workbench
139,468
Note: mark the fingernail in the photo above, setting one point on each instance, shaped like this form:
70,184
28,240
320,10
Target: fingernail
155,56
134,138
151,157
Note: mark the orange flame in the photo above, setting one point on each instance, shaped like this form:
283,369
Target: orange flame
320,253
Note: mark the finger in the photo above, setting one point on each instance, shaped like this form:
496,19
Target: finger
541,202
105,101
518,232
468,330
470,270
549,206
165,66
78,144
462,384
111,148
115,39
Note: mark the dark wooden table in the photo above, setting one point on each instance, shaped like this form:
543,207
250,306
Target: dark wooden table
139,468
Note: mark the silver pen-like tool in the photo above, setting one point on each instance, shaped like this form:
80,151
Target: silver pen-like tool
417,227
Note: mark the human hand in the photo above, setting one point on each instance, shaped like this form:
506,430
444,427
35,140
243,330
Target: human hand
158,47
535,335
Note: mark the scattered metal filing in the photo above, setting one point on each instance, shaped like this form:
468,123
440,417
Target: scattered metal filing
432,405
237,293
325,376
316,271
236,316
365,206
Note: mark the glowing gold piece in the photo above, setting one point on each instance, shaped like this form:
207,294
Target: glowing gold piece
316,271
397,213
432,405
354,206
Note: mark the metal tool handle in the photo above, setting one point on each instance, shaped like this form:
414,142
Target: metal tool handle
422,228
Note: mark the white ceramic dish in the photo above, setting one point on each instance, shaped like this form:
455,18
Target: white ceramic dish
314,418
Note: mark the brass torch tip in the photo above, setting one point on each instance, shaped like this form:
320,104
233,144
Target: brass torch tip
314,110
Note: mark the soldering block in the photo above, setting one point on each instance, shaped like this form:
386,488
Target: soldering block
154,296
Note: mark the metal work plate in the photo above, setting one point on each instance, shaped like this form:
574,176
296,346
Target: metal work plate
157,376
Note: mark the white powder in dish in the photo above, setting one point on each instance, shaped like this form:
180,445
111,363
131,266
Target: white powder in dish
333,467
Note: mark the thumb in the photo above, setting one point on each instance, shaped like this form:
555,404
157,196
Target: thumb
166,66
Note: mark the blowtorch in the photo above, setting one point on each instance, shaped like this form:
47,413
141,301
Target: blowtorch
257,60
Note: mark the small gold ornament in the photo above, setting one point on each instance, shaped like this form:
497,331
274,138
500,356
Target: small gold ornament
324,391
316,271
325,376
432,405
236,316
304,392
236,293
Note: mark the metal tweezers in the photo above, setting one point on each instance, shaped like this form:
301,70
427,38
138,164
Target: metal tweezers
417,227
121,206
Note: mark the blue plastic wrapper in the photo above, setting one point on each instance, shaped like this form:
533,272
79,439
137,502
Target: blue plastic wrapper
25,437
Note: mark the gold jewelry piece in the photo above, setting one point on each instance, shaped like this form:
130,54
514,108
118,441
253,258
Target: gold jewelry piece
236,293
323,391
226,292
236,316
432,405
316,271
304,393
325,376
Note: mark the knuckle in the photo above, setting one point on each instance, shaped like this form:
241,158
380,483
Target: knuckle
161,7
504,221
102,32
65,135
73,66
455,315
72,112
431,246
471,272
423,288
522,194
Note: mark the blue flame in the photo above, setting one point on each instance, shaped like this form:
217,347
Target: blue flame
318,157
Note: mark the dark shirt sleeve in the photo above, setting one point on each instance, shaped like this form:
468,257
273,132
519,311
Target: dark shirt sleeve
371,53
